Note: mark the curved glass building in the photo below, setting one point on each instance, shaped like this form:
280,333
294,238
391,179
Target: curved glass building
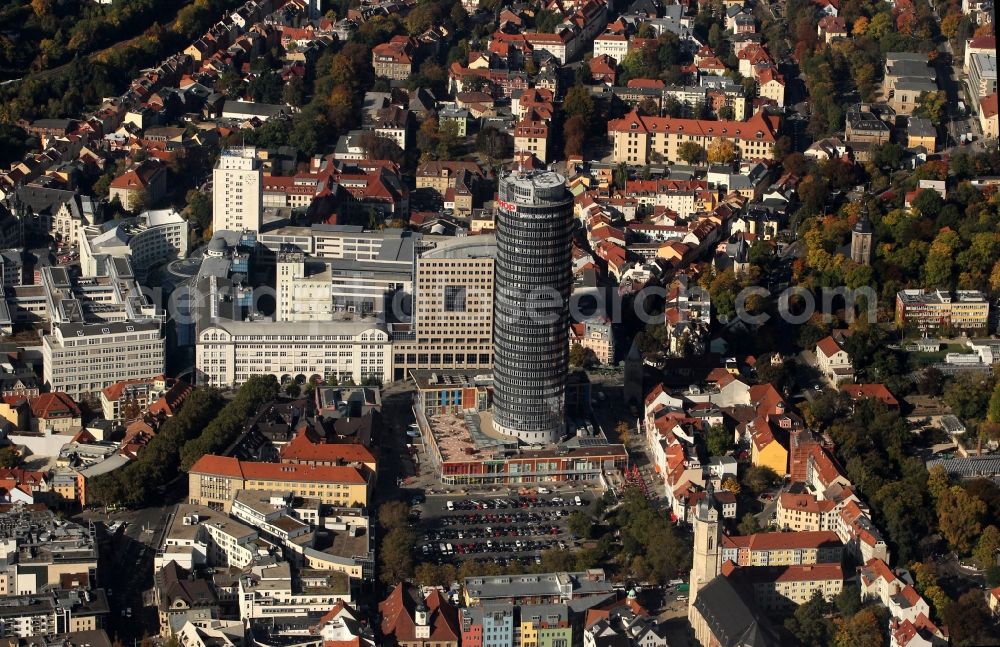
532,282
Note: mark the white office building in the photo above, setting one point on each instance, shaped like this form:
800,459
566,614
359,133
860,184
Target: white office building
83,359
237,196
229,352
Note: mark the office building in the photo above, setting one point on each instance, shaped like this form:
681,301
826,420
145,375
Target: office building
229,352
237,197
531,305
214,481
151,238
452,319
982,79
83,359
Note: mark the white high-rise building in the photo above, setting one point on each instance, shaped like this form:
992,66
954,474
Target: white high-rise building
237,196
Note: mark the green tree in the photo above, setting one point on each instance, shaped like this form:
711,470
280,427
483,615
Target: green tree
959,517
691,153
9,457
931,105
809,624
749,525
581,357
987,547
759,478
578,101
580,525
719,440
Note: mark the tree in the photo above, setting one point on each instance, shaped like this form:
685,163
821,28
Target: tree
749,525
9,457
721,151
727,113
730,484
863,630
932,105
393,514
493,145
809,623
968,620
759,478
719,440
987,547
580,356
380,148
574,135
624,432
578,101
959,516
396,556
580,525
294,92
691,153
448,139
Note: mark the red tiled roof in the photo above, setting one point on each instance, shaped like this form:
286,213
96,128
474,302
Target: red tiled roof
54,405
828,346
302,450
782,540
988,104
235,468
634,122
876,391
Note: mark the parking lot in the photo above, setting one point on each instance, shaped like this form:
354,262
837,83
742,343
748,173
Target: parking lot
504,529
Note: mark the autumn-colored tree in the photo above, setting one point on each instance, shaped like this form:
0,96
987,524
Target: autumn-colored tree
624,431
860,26
731,484
574,135
863,630
950,24
721,151
959,518
939,267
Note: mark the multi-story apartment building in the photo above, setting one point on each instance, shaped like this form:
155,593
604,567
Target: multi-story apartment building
929,310
394,60
237,191
214,481
804,512
778,588
783,549
637,138
81,359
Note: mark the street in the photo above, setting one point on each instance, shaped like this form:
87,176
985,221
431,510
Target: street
125,569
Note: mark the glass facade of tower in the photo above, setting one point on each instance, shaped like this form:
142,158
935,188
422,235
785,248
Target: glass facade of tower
534,232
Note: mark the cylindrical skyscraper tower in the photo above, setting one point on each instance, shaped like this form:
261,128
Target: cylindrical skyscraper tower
534,232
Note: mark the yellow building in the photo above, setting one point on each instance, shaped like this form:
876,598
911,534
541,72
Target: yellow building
635,138
214,480
766,450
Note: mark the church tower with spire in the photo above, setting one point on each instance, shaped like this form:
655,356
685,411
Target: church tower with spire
861,237
707,561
